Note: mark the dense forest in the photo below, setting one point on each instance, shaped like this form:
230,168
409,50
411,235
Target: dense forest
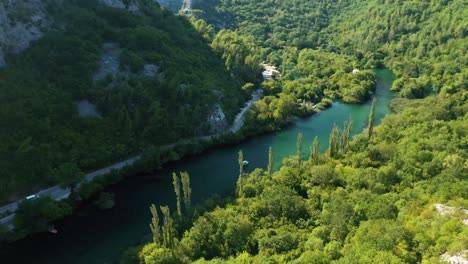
44,139
370,199
317,45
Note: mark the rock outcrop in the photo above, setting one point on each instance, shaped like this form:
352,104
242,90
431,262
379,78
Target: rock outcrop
110,61
217,119
459,258
22,22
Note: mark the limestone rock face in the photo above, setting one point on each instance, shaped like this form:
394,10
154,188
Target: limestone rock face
217,119
110,61
21,22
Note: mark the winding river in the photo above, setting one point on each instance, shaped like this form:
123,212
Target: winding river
94,236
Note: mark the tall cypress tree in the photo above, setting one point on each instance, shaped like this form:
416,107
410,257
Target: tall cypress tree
241,172
187,191
370,128
270,161
176,183
334,141
168,228
346,134
299,149
241,163
315,152
154,225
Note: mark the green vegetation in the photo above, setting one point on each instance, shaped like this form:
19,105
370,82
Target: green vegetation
316,46
36,215
39,91
371,199
105,201
366,200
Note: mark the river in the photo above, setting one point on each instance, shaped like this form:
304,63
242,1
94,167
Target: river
95,236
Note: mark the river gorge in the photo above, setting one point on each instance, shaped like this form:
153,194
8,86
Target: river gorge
95,236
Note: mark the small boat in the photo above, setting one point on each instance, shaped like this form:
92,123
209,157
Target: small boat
245,162
53,230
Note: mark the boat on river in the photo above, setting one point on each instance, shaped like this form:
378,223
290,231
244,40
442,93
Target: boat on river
245,162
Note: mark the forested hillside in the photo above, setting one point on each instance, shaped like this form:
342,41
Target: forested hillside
317,45
165,83
371,199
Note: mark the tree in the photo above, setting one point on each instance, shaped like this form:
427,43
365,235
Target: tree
315,151
248,88
270,161
346,134
154,225
203,28
187,191
36,215
176,183
370,128
68,175
334,141
168,231
241,172
299,149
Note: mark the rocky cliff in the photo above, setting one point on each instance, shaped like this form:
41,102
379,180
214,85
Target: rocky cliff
22,22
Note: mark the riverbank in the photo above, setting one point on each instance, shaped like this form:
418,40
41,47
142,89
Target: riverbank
155,158
216,171
149,161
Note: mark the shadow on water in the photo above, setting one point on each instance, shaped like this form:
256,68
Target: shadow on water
94,236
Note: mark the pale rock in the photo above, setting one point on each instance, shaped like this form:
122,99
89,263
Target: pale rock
459,258
110,61
20,24
150,70
217,119
86,108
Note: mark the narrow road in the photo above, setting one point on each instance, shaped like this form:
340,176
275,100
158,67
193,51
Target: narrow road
239,120
57,193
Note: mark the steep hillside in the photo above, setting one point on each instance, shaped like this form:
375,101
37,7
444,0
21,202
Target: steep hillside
20,23
107,79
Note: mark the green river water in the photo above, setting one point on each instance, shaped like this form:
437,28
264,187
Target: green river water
94,236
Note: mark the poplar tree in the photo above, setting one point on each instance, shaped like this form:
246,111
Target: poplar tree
167,228
187,191
299,149
270,161
176,183
241,172
154,225
241,163
346,134
334,141
370,128
315,152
